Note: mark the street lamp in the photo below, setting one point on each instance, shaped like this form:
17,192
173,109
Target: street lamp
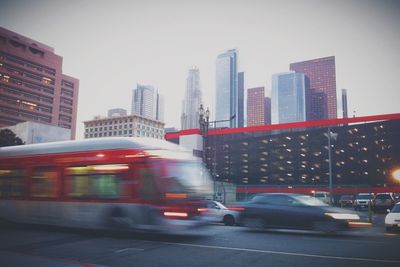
396,175
204,122
330,135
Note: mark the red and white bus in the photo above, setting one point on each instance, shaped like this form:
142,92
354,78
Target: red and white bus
131,183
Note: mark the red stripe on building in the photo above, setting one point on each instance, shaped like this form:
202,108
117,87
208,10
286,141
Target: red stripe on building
283,126
309,190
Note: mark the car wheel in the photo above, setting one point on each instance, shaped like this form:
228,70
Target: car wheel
229,220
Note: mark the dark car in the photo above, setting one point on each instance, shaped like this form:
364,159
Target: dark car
295,211
346,200
382,202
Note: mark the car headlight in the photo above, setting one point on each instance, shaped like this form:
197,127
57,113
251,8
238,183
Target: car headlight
343,216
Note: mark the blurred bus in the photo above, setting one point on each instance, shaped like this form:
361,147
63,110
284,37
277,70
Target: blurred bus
113,183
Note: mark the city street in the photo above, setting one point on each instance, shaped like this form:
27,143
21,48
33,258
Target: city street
216,245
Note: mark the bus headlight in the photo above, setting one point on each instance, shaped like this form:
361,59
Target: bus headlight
343,216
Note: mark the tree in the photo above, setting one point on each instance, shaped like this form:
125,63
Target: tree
9,138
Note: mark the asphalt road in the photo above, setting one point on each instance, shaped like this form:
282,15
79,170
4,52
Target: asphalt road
216,245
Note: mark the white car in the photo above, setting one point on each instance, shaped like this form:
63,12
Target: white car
216,212
392,219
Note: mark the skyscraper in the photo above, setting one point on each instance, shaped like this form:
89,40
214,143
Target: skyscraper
255,106
288,97
192,100
146,102
267,110
321,98
240,112
344,103
226,97
32,85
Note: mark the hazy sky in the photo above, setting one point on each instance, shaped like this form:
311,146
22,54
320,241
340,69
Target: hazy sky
110,46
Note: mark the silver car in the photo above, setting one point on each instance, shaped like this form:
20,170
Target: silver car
216,212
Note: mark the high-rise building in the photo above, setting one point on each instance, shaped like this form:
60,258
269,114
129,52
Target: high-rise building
344,103
288,97
321,97
32,85
192,100
240,112
146,102
255,106
267,110
226,97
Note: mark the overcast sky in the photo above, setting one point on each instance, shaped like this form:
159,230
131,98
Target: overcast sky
110,46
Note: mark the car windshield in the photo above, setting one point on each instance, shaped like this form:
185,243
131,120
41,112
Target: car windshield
396,209
309,201
320,194
383,196
346,197
364,197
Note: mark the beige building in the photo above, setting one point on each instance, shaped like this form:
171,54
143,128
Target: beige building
129,126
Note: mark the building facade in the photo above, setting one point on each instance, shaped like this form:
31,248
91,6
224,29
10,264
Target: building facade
146,102
255,106
192,100
226,97
32,85
288,98
321,97
294,157
127,126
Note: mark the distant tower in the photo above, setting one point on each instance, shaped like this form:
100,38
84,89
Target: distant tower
192,100
344,103
321,97
255,106
226,97
147,102
240,113
267,110
288,97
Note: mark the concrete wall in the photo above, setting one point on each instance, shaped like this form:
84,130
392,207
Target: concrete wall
33,133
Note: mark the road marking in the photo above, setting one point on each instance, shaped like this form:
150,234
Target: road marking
344,240
127,249
282,253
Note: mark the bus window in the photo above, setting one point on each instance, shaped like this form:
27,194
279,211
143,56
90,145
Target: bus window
147,185
44,183
12,183
95,181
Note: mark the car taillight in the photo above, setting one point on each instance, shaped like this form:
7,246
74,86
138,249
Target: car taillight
236,208
175,214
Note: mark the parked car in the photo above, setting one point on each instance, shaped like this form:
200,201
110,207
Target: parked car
392,219
382,202
346,200
279,210
216,212
362,201
323,196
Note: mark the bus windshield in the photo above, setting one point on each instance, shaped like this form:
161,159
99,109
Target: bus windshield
188,176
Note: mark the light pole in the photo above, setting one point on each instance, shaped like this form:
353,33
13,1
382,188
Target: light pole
204,123
330,135
204,117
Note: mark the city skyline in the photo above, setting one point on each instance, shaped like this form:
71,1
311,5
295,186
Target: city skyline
158,53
